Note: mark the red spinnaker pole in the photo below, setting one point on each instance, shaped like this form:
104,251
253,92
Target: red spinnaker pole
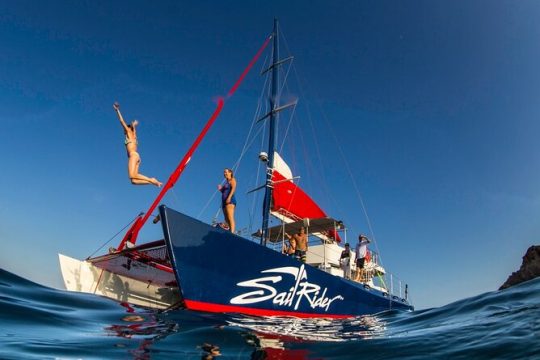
133,231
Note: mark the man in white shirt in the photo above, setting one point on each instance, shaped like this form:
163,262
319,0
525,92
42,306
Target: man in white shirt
361,251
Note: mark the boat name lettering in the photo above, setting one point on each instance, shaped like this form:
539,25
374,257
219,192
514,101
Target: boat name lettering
302,289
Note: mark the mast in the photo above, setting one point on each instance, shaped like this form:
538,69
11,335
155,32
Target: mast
274,105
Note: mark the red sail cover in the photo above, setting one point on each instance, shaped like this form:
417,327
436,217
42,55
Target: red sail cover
291,202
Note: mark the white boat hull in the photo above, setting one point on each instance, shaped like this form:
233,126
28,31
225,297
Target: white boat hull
83,276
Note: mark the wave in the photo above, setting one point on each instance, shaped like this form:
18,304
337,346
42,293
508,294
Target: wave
38,322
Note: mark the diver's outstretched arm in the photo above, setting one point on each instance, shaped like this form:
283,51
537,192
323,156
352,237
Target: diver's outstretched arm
116,107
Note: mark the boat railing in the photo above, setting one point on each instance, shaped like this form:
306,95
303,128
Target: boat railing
326,257
390,284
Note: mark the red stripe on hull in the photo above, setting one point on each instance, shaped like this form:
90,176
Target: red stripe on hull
218,308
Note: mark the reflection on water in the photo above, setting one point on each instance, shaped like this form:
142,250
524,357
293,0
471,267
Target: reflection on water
144,327
262,337
210,351
362,327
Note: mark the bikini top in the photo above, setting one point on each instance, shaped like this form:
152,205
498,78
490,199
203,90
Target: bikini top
128,141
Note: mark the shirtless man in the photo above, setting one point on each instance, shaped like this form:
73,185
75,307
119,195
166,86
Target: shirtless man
301,244
290,249
134,159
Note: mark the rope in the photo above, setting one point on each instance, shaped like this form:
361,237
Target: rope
257,195
253,121
176,199
246,145
285,78
207,204
356,189
355,186
115,235
326,189
287,129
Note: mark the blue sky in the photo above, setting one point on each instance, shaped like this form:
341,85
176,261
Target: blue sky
433,104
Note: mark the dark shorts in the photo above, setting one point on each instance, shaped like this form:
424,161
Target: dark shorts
300,255
360,263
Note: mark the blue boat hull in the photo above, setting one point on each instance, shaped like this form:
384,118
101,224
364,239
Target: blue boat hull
220,272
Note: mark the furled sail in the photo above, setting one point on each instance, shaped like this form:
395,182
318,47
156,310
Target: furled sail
290,203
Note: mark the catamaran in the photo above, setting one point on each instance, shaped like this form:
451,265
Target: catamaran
204,267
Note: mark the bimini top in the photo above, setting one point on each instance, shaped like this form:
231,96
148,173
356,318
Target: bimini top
318,227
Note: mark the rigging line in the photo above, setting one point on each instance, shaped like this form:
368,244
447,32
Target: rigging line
254,121
319,157
309,165
341,152
234,167
217,191
357,190
327,192
289,123
257,196
288,127
237,163
282,34
284,82
115,235
207,204
252,140
176,198
216,215
326,188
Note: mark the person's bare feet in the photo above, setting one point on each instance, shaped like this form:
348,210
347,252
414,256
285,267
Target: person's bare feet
156,182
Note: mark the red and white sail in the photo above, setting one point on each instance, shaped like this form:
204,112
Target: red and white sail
290,203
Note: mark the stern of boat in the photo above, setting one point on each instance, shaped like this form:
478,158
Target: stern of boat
83,276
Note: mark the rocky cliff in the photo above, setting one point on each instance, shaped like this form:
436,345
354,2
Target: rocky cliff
530,268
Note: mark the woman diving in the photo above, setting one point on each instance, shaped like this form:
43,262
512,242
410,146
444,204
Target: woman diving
134,159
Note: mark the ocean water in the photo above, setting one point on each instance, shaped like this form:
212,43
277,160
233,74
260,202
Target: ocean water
37,322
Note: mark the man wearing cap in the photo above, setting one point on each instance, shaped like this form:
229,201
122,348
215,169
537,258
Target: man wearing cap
361,251
345,261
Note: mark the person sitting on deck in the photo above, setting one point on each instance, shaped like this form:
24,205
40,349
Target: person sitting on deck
228,200
345,261
134,159
361,251
301,244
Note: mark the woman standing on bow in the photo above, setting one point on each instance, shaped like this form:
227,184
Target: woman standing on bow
134,159
228,200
